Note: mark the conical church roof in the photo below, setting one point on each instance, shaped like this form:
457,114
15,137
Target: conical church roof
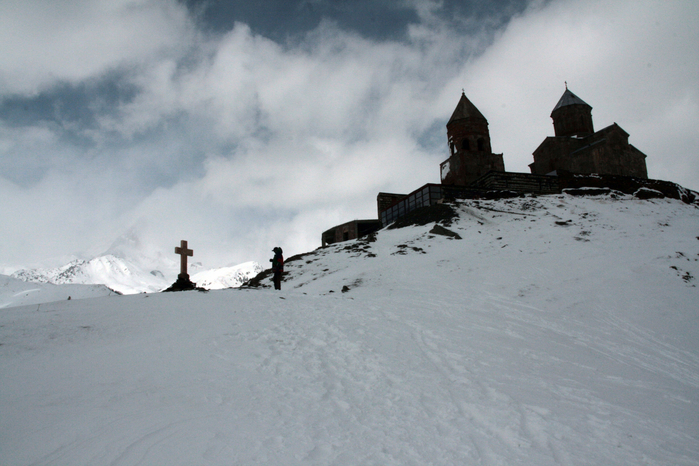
568,98
465,109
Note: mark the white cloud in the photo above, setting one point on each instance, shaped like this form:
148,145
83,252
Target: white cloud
45,42
57,219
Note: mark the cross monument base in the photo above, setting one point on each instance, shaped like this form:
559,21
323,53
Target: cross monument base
183,283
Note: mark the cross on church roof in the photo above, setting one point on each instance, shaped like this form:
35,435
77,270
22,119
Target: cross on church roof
183,252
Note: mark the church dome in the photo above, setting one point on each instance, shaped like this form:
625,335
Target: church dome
572,116
568,98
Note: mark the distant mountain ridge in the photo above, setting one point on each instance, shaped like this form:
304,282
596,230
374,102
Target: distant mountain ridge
114,272
127,277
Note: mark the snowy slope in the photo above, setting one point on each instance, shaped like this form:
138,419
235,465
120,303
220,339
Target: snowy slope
557,330
226,277
14,292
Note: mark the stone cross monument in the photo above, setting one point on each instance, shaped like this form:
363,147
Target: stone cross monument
183,252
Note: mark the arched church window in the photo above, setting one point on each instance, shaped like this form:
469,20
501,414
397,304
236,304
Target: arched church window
481,144
465,145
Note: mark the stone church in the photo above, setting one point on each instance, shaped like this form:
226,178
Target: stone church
576,156
576,147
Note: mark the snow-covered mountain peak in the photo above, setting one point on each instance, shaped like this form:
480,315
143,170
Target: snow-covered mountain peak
116,273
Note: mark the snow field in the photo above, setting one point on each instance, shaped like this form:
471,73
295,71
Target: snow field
526,342
14,292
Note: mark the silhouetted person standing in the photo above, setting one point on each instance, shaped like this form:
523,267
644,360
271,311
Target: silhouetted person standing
277,267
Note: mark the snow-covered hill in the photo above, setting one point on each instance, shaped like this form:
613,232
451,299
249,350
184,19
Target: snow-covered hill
556,330
14,292
226,277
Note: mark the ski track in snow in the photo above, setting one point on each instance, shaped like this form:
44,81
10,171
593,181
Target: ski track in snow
519,344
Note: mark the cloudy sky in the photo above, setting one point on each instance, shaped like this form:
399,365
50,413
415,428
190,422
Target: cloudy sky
241,125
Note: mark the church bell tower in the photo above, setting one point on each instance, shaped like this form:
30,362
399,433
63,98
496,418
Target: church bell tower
469,146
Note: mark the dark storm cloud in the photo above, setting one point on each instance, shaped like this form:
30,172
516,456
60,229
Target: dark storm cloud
286,20
282,20
68,112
